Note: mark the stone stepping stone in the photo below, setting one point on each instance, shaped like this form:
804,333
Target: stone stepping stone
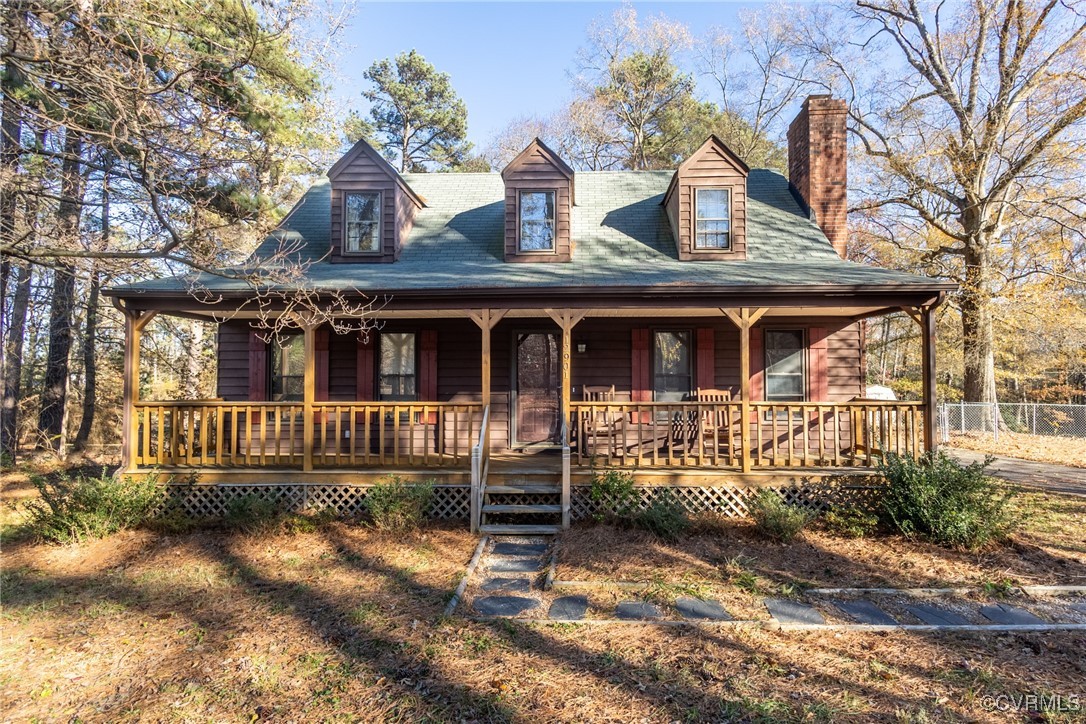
1008,615
504,605
1080,607
568,608
515,565
637,611
508,548
866,612
791,612
507,585
935,616
701,609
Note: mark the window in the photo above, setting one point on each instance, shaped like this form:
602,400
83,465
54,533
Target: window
672,366
537,221
287,379
785,374
712,229
396,378
362,223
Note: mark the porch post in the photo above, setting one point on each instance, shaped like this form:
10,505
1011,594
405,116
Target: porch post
134,322
744,318
486,319
927,335
309,392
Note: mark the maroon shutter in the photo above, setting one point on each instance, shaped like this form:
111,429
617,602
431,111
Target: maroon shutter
757,364
706,365
428,369
258,367
364,376
321,344
641,368
819,384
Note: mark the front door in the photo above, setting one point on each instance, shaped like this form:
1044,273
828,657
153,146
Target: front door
536,391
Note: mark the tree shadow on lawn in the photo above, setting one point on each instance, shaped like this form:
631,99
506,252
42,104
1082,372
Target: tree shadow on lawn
660,671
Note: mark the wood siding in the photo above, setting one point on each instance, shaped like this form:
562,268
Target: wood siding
534,171
607,359
711,166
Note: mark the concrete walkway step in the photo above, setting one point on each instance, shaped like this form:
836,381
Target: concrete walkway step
504,605
568,608
637,611
1009,615
788,612
936,616
699,609
515,548
866,612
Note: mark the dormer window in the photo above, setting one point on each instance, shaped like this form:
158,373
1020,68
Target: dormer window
362,223
537,221
712,219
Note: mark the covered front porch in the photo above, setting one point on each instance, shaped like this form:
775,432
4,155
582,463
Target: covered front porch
594,399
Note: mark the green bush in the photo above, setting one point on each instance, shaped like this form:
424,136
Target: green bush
664,517
81,507
851,522
774,518
937,498
614,492
254,514
397,505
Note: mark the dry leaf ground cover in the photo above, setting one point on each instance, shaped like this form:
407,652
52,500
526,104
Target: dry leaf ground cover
1039,448
344,624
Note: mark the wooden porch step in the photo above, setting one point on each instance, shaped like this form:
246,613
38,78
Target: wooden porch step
508,529
525,489
490,508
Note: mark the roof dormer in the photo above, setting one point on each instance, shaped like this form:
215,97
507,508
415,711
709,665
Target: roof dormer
373,208
538,198
706,204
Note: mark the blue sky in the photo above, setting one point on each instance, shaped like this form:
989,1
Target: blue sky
506,59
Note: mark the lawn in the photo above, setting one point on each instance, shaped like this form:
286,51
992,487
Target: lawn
344,623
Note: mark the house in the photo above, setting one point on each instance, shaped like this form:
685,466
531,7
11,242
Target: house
698,327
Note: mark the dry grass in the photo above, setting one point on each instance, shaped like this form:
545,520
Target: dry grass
1039,448
1048,549
345,624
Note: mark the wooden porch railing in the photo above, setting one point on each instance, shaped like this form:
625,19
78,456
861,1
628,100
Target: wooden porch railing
711,435
480,469
217,434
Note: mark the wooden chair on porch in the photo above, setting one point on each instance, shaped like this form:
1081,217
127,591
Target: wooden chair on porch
608,424
715,425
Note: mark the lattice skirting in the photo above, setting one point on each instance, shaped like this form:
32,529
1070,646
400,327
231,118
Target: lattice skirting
730,500
450,502
453,502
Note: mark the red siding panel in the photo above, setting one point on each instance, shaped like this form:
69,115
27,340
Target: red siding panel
258,367
706,364
819,387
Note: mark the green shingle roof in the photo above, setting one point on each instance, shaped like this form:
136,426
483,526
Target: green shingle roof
620,233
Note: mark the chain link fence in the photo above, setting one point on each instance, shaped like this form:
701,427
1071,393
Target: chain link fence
1022,417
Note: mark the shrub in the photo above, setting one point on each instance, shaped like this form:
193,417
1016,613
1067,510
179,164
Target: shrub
254,514
774,518
851,522
81,507
397,505
937,498
665,517
614,493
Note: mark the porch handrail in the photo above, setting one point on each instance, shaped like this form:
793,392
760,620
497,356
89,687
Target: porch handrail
480,467
565,471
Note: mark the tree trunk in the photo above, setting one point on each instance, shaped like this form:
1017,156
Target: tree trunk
54,395
90,366
978,343
13,364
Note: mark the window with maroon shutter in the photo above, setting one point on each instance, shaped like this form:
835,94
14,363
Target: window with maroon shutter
785,371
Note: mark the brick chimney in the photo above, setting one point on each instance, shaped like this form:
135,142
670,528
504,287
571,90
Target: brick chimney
818,164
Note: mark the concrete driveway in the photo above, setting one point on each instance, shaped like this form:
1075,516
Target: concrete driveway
1029,474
